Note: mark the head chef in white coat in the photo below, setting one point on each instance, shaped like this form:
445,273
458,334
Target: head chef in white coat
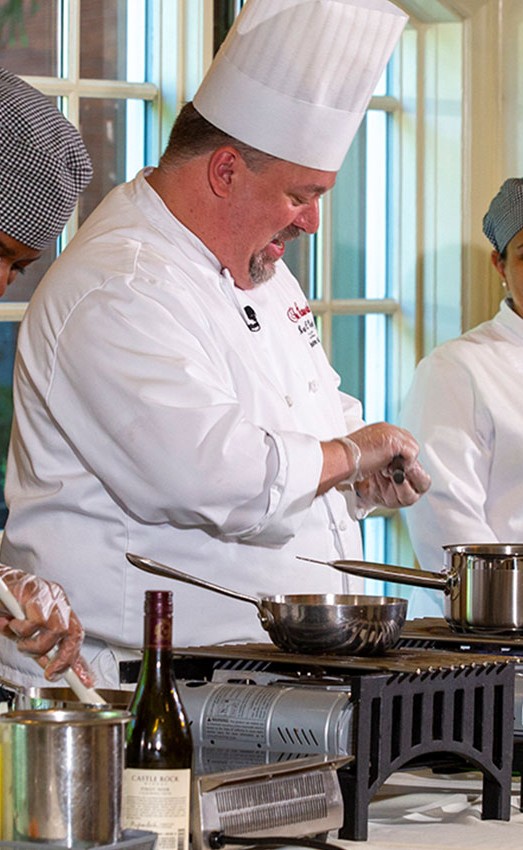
190,413
43,168
268,129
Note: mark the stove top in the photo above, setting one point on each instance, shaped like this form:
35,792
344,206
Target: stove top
398,660
434,632
417,704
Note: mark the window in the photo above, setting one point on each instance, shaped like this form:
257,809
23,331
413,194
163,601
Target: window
120,70
353,289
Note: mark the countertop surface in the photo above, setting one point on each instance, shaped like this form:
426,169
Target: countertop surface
423,812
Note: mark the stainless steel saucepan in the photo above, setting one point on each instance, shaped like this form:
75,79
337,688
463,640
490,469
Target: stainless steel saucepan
312,623
483,584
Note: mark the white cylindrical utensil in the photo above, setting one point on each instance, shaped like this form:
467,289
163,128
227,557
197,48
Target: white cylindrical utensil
84,694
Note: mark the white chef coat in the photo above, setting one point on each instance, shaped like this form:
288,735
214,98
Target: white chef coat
150,419
465,407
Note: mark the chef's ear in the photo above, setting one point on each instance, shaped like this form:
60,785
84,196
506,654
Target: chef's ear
498,262
223,165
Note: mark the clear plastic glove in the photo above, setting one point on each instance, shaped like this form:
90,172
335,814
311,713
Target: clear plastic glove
381,489
378,445
50,624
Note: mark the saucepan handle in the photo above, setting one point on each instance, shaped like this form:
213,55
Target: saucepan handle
389,572
150,566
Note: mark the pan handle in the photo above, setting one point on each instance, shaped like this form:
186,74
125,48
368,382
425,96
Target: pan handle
388,572
150,566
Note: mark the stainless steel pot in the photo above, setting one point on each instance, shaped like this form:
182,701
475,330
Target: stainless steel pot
483,584
38,699
312,623
61,776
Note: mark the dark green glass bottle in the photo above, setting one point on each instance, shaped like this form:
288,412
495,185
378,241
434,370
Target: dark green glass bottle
158,752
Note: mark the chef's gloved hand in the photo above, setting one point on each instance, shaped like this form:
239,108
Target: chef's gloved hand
50,624
376,447
380,489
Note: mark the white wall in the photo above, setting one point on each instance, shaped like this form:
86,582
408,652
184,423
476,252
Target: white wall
493,139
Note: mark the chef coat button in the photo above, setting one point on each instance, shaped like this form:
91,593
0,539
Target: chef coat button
289,400
343,525
313,386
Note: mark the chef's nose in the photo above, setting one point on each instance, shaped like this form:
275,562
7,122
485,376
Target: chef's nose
308,219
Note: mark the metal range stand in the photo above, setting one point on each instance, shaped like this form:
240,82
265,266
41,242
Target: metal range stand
411,709
404,720
435,633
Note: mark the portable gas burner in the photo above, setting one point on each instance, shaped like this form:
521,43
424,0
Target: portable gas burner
407,708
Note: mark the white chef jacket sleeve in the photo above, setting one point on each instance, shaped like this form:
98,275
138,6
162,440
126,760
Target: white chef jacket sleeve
443,410
154,415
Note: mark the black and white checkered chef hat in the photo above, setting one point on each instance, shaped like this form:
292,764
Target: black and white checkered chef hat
43,164
504,217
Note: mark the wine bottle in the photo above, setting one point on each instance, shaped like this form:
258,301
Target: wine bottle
158,751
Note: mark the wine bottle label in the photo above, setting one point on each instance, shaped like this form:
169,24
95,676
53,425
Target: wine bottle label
158,801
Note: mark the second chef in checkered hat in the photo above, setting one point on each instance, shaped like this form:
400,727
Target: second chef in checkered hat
44,167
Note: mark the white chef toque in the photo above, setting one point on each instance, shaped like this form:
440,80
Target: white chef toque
293,78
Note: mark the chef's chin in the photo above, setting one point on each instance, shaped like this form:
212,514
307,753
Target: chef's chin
261,268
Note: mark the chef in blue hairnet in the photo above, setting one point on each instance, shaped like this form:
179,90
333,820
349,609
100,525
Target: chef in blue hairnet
465,407
43,168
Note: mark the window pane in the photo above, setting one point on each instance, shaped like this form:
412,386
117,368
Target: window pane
376,205
359,215
113,131
348,345
224,13
8,335
112,46
349,222
304,258
375,367
382,87
358,355
299,256
29,37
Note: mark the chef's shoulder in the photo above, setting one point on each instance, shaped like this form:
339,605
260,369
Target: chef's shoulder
467,352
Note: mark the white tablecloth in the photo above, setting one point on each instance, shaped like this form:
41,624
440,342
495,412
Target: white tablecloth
423,812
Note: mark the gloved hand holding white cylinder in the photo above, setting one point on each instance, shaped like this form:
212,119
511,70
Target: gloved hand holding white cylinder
49,624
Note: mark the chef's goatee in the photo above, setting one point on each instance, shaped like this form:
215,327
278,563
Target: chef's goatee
293,78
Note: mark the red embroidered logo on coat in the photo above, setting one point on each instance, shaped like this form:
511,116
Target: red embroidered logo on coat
296,313
302,316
